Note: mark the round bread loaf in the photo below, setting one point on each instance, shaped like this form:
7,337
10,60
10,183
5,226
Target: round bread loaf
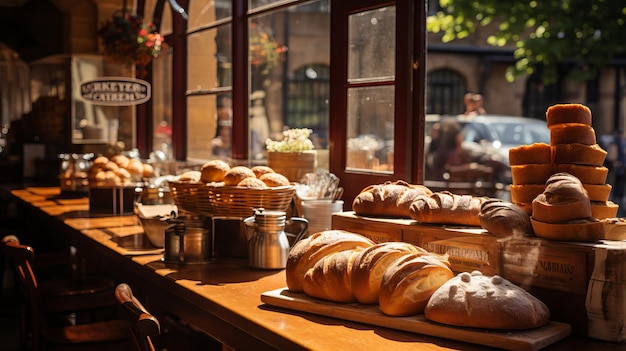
530,154
504,219
572,133
478,301
581,154
537,173
274,179
568,113
409,282
261,170
371,264
586,174
564,199
121,160
214,171
330,277
236,174
252,182
306,252
148,170
391,199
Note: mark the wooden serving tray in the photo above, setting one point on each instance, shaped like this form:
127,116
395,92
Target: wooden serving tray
518,340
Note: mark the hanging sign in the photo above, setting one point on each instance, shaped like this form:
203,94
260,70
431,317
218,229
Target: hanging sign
115,91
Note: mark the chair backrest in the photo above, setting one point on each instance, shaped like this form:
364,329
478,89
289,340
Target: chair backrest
143,324
20,257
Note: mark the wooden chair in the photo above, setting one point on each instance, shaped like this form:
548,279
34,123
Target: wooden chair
143,324
112,334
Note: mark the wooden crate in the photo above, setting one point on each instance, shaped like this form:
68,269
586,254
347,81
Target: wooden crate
583,284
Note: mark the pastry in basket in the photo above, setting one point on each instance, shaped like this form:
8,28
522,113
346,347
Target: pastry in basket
492,302
252,182
274,179
391,199
190,176
261,170
236,174
214,171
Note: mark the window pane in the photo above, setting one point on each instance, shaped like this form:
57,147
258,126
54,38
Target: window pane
372,44
370,128
289,58
162,103
205,12
209,59
202,125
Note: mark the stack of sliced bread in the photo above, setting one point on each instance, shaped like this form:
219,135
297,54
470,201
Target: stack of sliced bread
573,149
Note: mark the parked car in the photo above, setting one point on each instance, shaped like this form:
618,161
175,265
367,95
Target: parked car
487,139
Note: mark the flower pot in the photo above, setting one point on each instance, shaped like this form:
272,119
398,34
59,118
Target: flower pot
293,165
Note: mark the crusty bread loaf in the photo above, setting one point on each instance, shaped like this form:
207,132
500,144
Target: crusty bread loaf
530,154
330,277
236,174
572,133
214,171
478,301
274,179
581,154
391,199
586,174
371,264
447,208
306,252
537,173
409,282
568,113
504,219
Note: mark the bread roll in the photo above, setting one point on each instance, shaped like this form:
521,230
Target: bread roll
592,155
330,277
236,174
525,193
478,301
388,199
214,171
306,252
447,208
564,199
572,133
530,154
121,160
409,282
190,176
598,192
504,219
568,113
261,170
531,173
252,182
586,174
585,230
371,264
274,179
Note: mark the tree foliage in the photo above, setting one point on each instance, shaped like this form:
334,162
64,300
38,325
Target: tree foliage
583,34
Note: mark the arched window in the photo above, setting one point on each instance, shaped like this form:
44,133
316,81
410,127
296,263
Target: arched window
445,92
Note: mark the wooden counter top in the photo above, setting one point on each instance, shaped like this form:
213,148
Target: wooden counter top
223,297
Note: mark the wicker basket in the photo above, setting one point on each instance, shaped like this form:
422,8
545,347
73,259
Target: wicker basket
233,201
192,197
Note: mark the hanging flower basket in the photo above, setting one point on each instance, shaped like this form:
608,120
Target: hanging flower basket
127,39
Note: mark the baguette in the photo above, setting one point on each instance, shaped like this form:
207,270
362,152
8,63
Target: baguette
306,252
391,199
370,266
410,281
447,208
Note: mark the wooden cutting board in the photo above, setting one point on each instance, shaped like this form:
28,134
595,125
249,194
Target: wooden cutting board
522,340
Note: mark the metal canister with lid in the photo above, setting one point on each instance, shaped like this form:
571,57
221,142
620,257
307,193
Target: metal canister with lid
188,241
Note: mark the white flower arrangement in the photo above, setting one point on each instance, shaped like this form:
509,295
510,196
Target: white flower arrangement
294,140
